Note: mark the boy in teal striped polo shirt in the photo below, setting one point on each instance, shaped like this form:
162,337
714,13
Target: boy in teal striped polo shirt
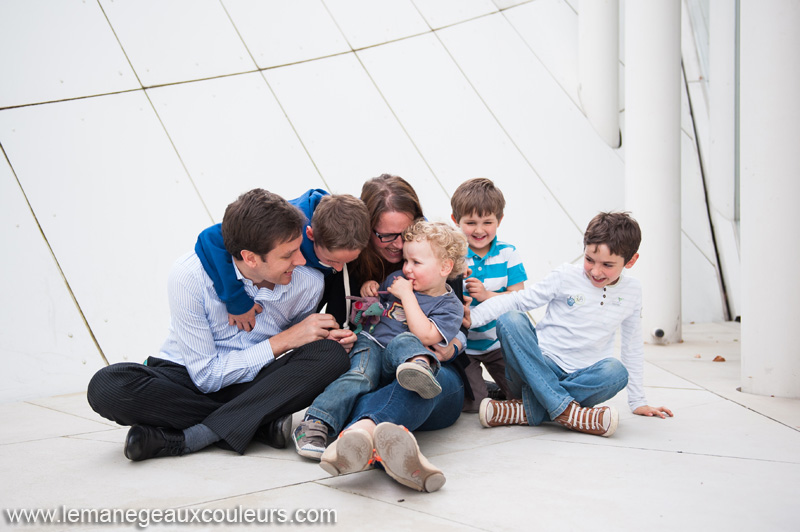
496,268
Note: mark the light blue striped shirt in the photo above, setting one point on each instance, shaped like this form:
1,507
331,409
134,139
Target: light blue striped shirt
500,268
214,353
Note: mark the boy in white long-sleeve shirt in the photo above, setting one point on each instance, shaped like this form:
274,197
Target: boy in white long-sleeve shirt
565,366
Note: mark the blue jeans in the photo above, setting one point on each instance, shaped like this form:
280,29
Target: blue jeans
395,404
333,406
546,389
402,348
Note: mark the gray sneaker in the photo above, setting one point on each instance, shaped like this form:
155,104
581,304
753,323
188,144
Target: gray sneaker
417,376
311,438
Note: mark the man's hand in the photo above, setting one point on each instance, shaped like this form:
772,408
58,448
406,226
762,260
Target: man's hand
650,411
246,321
370,289
443,354
345,337
314,327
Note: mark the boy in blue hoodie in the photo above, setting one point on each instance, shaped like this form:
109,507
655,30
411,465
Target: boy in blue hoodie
338,231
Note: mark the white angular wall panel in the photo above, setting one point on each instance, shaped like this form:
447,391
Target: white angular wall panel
347,128
232,137
550,28
114,203
701,297
371,22
45,346
460,139
58,50
441,13
179,40
583,173
280,33
694,214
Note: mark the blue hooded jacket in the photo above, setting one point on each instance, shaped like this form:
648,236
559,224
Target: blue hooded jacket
218,263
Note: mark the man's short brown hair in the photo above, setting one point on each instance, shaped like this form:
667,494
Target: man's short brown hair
341,221
259,221
477,196
617,230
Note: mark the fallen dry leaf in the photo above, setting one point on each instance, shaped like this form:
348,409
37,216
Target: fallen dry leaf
719,359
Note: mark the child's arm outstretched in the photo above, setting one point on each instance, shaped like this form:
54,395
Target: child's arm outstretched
418,322
632,357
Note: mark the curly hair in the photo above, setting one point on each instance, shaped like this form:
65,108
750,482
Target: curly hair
446,243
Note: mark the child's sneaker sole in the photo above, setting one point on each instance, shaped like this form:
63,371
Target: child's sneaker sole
352,452
397,449
416,378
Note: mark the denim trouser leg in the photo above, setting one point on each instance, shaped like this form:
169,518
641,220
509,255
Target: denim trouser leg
545,388
333,406
530,374
402,348
395,404
597,383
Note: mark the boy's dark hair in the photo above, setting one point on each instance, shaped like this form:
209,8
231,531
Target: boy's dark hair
617,230
259,221
477,196
341,221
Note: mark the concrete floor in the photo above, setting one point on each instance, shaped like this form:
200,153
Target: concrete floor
726,461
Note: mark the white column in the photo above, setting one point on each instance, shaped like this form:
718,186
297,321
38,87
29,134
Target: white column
598,67
769,159
653,158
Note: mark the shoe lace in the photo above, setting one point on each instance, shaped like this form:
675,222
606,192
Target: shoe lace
585,418
315,433
509,412
173,443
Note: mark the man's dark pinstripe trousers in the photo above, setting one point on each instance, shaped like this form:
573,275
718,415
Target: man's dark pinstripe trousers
162,393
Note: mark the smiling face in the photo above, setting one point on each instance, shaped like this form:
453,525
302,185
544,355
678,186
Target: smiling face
389,224
602,267
428,274
278,266
479,230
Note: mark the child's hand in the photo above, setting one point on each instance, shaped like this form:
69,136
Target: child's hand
246,321
370,289
401,287
476,289
467,321
650,411
345,337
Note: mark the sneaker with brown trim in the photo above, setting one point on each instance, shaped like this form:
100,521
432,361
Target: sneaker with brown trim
493,413
397,450
598,420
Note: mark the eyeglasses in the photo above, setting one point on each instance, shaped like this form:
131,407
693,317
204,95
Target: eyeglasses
387,237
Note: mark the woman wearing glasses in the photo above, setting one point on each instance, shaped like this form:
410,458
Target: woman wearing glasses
393,206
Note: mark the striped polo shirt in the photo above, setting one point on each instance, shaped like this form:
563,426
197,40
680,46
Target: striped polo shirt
500,268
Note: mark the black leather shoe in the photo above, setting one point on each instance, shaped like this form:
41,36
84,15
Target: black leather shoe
276,433
145,442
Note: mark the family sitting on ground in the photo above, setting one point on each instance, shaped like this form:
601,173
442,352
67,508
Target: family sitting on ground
260,329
